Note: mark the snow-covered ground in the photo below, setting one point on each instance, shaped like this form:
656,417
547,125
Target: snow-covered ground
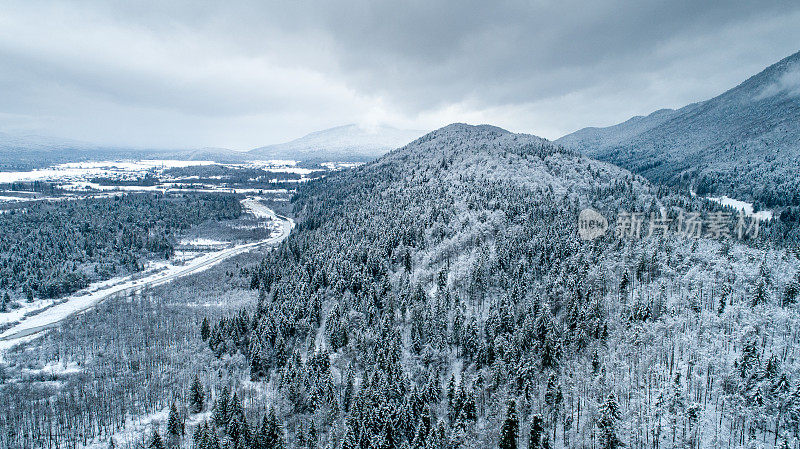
84,170
56,369
79,175
13,199
743,206
203,242
156,273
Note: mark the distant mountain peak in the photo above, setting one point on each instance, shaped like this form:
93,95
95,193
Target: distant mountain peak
345,142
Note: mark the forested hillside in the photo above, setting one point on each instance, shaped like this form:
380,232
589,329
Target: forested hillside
440,297
743,143
54,248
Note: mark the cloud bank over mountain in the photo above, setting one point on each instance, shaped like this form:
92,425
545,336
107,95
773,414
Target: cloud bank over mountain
167,74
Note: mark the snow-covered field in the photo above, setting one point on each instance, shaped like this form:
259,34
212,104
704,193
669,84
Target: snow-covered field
156,273
203,242
79,175
85,170
743,206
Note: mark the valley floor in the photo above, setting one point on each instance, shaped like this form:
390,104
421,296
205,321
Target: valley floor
31,320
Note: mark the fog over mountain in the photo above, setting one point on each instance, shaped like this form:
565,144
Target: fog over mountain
744,143
348,142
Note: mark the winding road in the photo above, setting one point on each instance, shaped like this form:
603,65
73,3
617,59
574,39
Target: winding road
92,296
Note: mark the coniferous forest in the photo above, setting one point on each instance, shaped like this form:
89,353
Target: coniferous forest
440,297
55,248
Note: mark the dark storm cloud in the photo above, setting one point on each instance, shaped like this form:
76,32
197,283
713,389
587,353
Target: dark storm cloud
249,73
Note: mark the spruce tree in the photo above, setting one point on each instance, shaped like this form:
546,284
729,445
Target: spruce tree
349,439
760,294
270,435
212,441
155,441
349,389
205,329
451,396
311,441
607,423
4,303
510,431
537,429
174,427
221,408
199,437
196,396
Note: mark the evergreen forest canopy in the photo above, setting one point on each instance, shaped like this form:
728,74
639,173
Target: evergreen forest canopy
440,297
55,248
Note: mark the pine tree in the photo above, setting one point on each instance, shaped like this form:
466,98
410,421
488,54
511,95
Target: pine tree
510,431
196,396
270,435
174,427
537,429
155,441
609,416
4,303
349,389
205,330
221,408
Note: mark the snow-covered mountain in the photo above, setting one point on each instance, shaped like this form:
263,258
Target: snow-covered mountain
744,143
348,142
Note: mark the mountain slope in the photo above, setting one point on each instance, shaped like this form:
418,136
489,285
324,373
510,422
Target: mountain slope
457,255
348,142
744,143
439,294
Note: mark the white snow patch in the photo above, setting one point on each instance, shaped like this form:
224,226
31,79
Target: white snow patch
746,207
203,242
57,368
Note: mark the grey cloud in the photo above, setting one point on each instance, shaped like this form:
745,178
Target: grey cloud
264,69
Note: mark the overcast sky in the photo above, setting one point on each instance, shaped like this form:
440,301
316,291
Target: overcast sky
196,74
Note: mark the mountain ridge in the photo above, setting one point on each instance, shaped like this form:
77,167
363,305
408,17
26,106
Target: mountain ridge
744,143
346,142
